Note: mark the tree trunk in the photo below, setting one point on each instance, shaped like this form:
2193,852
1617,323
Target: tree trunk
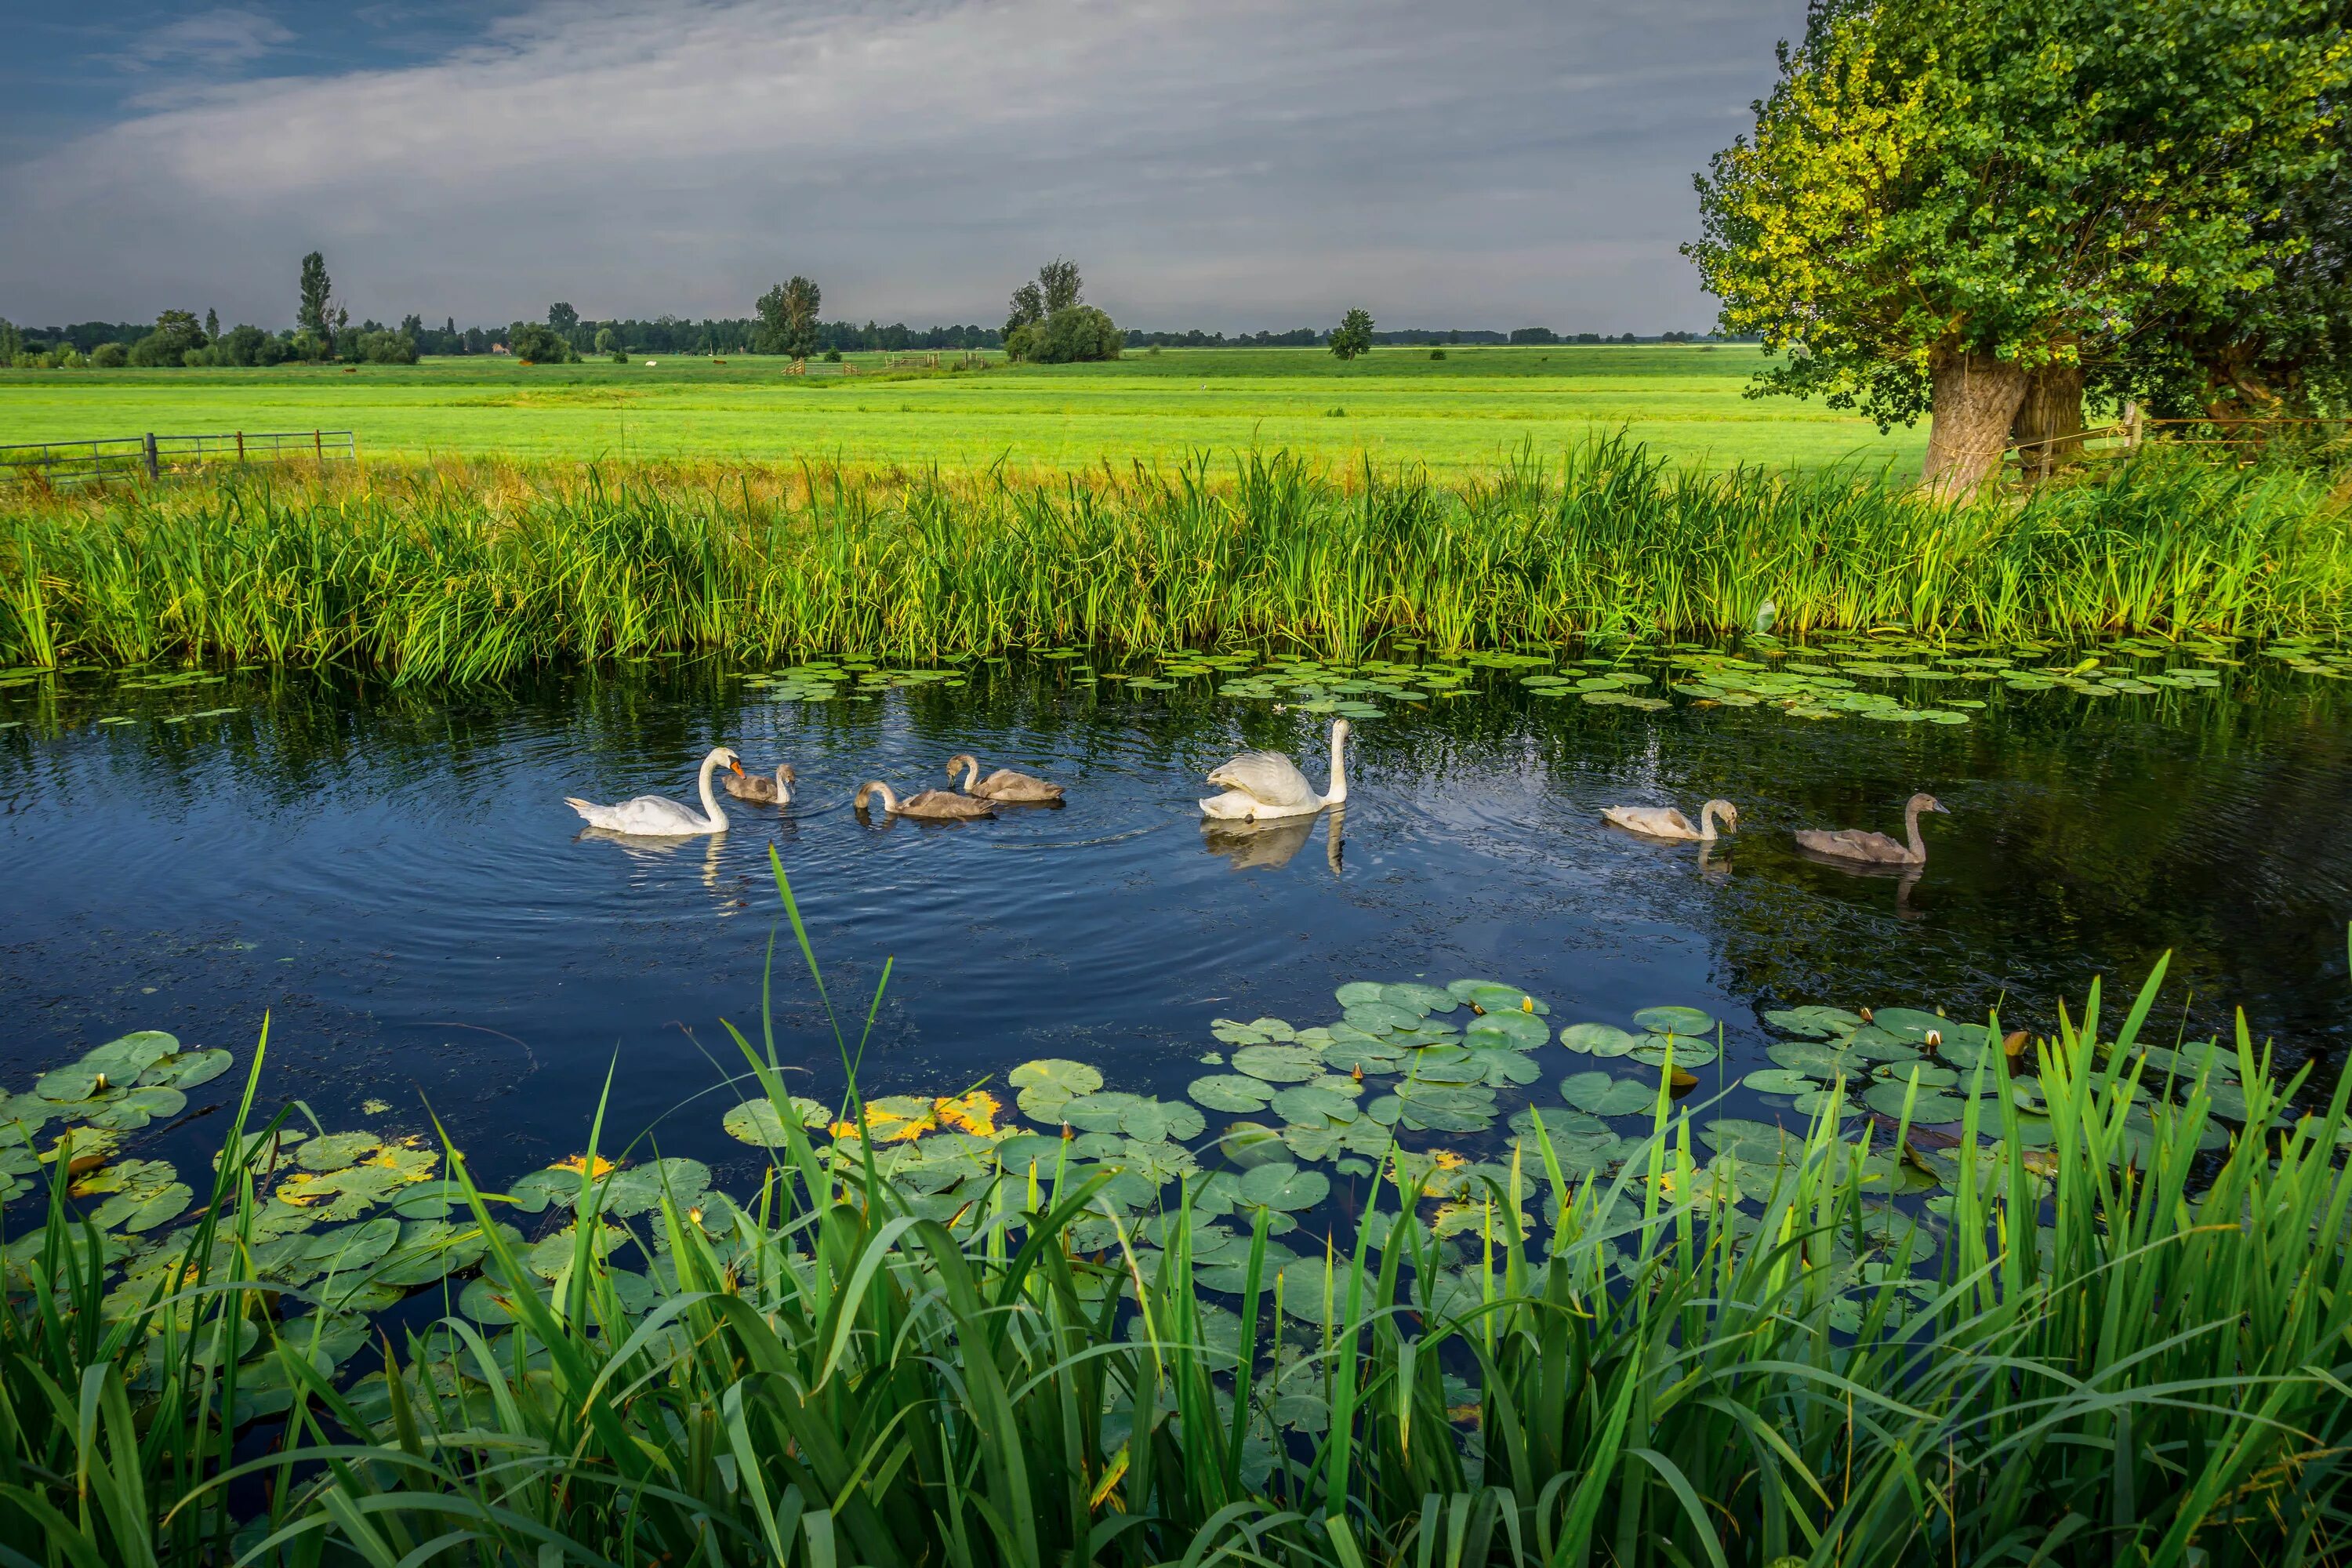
1974,399
2048,428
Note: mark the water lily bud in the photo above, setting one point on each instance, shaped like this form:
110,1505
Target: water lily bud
1935,1038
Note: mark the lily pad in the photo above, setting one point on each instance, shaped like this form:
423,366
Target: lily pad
337,1151
1283,1187
1420,998
1814,1022
186,1069
1524,1030
1309,1106
755,1121
1603,1094
1233,1092
432,1249
1932,1106
1249,1143
1598,1039
1445,1108
1675,1020
1356,993
136,1107
1278,1064
1818,1060
641,1188
1380,1017
1047,1084
1778,1081
1686,1050
1506,999
1500,1064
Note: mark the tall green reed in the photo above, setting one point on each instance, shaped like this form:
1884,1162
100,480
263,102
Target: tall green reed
473,571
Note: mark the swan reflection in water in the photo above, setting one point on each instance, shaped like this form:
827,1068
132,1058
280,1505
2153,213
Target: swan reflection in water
648,852
1905,878
1252,844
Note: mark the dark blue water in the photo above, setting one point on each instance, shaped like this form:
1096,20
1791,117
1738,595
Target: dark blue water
392,879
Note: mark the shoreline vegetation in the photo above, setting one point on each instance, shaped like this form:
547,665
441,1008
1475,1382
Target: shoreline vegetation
2116,1333
471,570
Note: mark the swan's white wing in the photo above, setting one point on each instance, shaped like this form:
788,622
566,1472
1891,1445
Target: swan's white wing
650,816
1269,778
1658,821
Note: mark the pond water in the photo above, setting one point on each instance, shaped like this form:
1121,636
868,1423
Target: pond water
394,879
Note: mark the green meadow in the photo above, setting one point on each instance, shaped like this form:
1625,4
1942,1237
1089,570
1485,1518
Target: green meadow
1464,412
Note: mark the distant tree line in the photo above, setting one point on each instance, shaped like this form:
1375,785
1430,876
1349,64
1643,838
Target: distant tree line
1049,322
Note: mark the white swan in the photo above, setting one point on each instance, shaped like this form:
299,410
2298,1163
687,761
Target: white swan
657,817
1264,784
1665,822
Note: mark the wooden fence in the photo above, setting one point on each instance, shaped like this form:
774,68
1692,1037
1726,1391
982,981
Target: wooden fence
57,463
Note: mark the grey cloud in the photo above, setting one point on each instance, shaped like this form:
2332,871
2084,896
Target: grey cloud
1226,163
213,40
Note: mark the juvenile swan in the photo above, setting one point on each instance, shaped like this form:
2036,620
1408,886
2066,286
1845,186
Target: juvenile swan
936,804
657,817
1665,822
761,790
1264,784
1001,784
1853,844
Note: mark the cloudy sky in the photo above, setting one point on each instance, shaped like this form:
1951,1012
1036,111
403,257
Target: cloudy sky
1231,165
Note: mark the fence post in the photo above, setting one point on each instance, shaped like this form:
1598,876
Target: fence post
317,447
150,455
240,445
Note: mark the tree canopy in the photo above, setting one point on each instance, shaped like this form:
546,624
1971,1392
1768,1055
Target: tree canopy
1048,324
1944,200
315,313
1353,335
788,323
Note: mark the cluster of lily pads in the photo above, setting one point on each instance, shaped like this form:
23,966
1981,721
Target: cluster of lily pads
848,678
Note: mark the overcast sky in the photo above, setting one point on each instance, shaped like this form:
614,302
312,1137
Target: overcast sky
1232,164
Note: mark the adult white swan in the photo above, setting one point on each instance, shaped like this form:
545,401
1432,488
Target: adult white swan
657,817
1264,784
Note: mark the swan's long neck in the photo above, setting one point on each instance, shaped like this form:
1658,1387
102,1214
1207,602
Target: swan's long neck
970,773
1707,822
890,801
783,788
1911,831
709,802
1338,790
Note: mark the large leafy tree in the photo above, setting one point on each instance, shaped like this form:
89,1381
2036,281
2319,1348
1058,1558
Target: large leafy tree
316,313
1046,322
1353,335
1957,207
788,319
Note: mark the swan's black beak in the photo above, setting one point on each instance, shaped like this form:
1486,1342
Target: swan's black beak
1942,809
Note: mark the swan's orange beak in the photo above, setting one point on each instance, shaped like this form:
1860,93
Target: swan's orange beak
737,767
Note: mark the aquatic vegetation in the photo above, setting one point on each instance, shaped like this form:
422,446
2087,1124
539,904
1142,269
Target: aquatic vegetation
471,572
2102,1314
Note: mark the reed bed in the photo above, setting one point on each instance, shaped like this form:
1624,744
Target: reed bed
2125,1345
473,571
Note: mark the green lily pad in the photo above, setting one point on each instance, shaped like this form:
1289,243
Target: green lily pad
1356,993
1357,1051
1930,1076
1445,1108
1603,1094
1932,1108
1309,1106
432,1249
1232,1092
1279,1064
1675,1020
641,1188
1498,1064
1361,1136
1249,1143
1466,990
186,1069
1524,1030
1283,1187
488,1304
337,1151
1874,1044
1778,1081
138,1106
755,1121
1598,1039
1815,1023
1380,1018
1687,1050
1420,998
1049,1083
1820,1061
1506,999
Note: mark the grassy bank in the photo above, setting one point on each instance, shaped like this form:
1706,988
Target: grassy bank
472,571
2118,1334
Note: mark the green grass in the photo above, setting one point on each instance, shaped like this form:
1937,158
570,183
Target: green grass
1463,412
472,571
2121,1337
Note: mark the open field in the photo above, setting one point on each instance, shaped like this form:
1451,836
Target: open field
1397,406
